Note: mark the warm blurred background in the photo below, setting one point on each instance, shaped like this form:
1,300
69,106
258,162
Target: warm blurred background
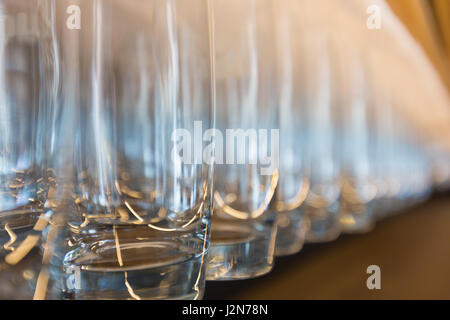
429,23
412,248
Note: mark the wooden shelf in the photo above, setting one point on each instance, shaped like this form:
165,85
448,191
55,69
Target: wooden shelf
412,250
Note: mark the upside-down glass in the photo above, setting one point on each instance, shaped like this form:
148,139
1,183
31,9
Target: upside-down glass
26,84
246,174
136,80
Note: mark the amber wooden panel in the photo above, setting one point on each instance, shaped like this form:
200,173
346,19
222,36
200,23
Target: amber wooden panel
426,27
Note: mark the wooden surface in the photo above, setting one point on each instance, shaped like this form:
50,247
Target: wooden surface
412,250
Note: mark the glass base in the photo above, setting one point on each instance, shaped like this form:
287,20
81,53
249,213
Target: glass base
358,221
176,281
20,254
325,227
18,282
240,249
291,232
134,263
19,219
389,207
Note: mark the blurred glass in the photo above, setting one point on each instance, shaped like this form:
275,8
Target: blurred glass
412,168
293,184
440,169
243,231
358,189
308,192
323,144
27,68
136,83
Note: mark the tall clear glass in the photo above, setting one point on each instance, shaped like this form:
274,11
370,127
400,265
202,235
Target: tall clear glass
136,85
293,185
358,189
243,230
440,168
26,86
322,148
308,194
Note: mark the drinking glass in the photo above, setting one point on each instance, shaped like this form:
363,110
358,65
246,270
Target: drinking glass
358,189
322,204
413,168
309,168
136,87
393,143
440,168
26,85
246,173
382,151
293,184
